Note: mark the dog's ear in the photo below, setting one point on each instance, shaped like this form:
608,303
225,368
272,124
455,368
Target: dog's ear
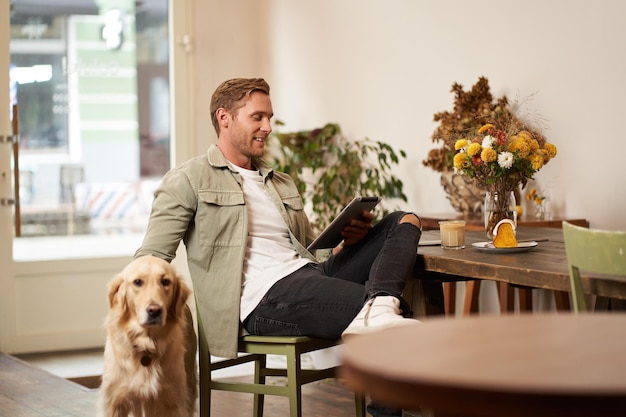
117,291
179,300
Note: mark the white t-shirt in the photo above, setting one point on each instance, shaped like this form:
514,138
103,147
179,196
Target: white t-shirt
270,255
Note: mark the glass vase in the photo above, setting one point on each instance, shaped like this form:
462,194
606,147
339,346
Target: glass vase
542,209
499,205
464,195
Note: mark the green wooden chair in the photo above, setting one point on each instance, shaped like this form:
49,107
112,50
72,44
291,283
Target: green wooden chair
255,349
596,251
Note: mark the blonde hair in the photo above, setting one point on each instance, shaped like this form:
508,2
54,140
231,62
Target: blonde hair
231,94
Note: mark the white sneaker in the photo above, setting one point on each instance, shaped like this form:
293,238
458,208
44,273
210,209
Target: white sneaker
377,314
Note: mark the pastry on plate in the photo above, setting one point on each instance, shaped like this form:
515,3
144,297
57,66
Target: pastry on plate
504,234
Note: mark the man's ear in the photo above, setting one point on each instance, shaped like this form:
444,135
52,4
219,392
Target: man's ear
223,117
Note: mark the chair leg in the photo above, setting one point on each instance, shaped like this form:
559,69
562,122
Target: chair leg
205,378
602,303
294,382
260,366
579,303
359,400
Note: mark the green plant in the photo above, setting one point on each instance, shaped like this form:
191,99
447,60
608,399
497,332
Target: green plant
329,170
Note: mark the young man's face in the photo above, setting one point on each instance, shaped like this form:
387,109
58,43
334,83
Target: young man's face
247,129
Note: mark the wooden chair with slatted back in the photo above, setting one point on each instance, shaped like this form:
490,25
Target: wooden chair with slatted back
255,349
595,251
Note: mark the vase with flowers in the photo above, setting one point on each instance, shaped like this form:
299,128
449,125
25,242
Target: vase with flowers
540,203
472,109
500,158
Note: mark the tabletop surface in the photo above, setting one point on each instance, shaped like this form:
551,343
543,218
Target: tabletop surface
537,363
544,266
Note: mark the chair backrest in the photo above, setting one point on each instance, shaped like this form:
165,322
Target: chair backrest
596,251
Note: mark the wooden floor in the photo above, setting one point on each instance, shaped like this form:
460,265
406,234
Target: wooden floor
28,391
327,398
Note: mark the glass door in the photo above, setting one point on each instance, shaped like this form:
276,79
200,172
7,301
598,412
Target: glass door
90,82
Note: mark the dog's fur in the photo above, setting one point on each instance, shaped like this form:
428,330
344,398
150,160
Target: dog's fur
144,366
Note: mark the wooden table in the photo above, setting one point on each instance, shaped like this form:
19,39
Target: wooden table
492,366
544,266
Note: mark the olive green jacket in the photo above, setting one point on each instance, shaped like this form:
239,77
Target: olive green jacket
202,203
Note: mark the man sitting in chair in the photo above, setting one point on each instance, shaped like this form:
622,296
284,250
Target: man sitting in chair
246,234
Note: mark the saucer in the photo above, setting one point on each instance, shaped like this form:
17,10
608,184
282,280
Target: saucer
489,248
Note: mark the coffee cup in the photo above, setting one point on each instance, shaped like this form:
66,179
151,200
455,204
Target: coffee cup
452,234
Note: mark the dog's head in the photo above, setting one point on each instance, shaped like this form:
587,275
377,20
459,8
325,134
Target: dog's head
150,291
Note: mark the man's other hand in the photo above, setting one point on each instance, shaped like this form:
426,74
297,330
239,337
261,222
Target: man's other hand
357,229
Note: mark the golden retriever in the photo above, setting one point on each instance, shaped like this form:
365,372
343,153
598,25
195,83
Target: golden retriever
144,358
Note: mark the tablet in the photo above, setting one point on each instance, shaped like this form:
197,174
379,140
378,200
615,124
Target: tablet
331,236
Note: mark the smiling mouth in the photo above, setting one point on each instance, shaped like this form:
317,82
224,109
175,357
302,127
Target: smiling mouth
262,140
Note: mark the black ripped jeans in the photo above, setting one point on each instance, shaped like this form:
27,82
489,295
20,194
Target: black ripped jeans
320,300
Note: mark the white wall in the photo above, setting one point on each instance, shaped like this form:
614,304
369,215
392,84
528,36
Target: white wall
227,45
383,68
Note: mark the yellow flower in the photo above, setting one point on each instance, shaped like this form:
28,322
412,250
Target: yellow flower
545,155
459,160
502,158
460,144
474,149
521,145
536,161
550,150
534,196
486,127
489,155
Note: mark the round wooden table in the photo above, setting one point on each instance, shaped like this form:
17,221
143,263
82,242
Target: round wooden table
493,366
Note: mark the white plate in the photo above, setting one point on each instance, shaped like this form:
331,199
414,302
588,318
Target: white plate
432,242
488,247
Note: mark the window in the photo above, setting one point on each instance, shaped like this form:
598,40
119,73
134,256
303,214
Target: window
91,83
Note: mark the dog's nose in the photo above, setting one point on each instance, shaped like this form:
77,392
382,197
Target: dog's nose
154,311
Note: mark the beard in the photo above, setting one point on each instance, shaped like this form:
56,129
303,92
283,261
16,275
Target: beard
247,145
